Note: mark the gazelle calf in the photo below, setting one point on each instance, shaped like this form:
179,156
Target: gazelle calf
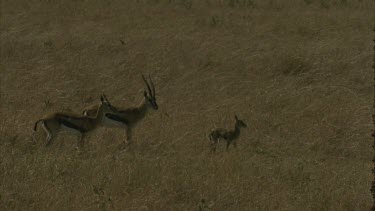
77,124
127,118
228,135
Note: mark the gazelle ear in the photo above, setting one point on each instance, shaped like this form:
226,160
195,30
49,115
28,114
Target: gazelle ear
105,98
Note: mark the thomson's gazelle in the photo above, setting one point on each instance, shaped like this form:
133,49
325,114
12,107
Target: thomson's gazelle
127,118
76,124
228,135
93,110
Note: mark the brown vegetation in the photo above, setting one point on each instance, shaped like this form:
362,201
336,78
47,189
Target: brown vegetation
299,72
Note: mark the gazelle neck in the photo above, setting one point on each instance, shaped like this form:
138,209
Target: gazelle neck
99,115
236,131
143,107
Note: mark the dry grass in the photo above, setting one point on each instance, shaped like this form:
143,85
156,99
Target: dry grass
298,72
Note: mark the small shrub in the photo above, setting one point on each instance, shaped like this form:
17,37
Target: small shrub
324,4
250,3
187,4
214,20
308,2
232,3
293,66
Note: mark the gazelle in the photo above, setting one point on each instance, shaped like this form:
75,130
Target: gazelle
228,135
77,124
127,118
93,110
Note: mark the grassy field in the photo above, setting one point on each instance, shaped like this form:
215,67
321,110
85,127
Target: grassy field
298,72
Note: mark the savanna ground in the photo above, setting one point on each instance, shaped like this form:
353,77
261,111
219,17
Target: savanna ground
298,72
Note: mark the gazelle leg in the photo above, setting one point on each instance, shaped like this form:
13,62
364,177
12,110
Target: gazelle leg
213,148
48,140
128,135
235,144
213,145
34,139
81,142
228,143
49,136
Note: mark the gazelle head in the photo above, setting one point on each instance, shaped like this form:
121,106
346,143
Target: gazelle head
239,123
105,105
93,110
106,102
150,93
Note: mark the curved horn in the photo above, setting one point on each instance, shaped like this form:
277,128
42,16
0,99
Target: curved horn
148,86
152,86
103,98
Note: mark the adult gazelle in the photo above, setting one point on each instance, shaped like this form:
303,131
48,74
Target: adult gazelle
76,124
128,118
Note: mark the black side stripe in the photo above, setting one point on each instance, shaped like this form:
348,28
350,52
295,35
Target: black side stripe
116,118
71,125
